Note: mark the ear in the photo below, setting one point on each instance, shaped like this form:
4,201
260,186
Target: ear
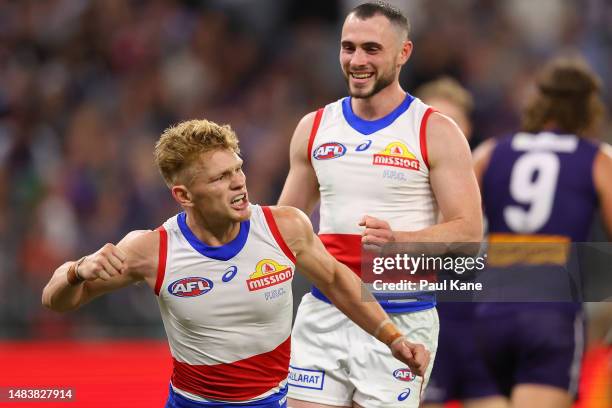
405,52
182,195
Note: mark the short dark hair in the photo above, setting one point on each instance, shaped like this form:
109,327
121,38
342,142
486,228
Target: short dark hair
392,13
567,95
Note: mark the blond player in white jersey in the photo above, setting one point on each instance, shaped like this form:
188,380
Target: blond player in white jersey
222,272
383,164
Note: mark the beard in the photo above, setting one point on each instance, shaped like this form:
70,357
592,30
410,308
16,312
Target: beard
379,84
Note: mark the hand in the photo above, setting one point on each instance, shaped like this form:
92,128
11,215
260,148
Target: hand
414,355
107,262
377,233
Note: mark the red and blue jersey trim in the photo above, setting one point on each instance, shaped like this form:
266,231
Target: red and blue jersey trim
237,381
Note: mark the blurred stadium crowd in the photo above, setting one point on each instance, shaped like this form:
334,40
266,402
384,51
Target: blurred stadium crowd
86,87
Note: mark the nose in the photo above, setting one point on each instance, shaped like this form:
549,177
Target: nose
238,180
359,58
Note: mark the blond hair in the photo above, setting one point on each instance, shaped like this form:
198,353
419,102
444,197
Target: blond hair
181,145
448,89
567,97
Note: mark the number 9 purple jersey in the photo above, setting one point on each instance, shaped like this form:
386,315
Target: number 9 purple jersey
541,184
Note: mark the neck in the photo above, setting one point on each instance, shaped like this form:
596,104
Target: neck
212,232
380,104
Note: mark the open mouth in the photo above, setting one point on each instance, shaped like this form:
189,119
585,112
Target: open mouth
362,75
239,201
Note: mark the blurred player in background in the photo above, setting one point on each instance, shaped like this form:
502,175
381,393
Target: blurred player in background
384,165
459,371
448,97
222,271
544,184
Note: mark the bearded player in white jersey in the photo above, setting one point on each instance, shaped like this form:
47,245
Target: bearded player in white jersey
384,165
222,273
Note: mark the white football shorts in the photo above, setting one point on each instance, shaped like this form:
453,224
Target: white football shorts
335,362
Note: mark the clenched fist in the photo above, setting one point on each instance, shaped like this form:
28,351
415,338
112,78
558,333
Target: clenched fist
107,262
376,234
414,355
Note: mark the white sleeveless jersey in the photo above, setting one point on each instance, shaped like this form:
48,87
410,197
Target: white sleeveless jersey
379,168
227,310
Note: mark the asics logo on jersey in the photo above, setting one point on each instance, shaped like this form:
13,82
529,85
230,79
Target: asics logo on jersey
405,394
268,273
229,274
404,374
190,287
364,146
329,150
396,154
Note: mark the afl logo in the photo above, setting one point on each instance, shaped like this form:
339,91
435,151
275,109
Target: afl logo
404,374
190,287
331,150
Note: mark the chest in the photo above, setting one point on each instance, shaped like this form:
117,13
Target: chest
249,289
386,160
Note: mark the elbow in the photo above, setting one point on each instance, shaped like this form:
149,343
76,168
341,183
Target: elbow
473,229
470,237
48,302
476,235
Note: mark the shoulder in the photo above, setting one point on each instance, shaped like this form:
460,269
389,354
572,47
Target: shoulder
306,124
294,226
301,136
444,139
441,126
141,239
290,220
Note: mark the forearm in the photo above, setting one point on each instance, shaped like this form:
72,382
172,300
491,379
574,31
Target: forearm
459,230
59,295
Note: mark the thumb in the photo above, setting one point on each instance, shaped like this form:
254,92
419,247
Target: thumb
363,220
407,350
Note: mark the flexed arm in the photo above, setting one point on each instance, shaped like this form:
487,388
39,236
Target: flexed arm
110,268
344,288
454,186
301,188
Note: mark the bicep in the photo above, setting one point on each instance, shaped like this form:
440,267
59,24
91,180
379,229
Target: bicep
140,249
301,188
312,259
451,174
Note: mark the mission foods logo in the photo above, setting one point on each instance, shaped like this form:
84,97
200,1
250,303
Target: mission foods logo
396,154
268,273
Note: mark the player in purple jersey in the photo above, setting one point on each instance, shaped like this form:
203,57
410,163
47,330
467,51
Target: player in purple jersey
459,371
543,184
